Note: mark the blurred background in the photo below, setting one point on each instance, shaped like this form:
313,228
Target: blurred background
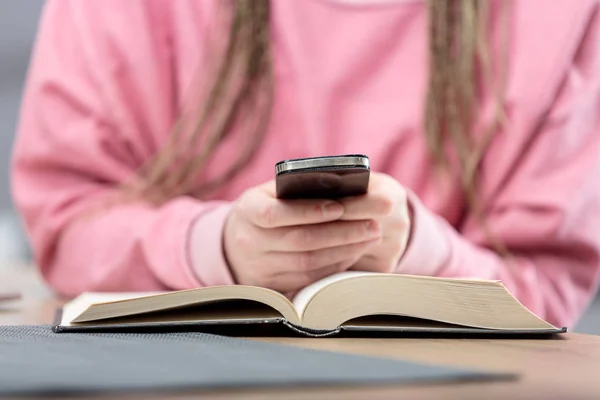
18,22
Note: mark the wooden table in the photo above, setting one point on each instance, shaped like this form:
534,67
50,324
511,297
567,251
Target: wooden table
566,368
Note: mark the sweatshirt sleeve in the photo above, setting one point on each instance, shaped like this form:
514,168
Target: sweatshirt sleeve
87,123
541,194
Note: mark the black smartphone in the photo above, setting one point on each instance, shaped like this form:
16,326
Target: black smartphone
327,177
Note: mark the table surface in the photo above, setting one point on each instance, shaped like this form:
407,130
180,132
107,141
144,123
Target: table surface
565,367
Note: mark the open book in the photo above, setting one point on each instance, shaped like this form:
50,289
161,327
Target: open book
352,301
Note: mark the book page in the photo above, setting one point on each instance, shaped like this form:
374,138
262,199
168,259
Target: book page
122,305
81,303
303,297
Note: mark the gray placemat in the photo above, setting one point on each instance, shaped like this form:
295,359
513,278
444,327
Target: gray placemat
34,360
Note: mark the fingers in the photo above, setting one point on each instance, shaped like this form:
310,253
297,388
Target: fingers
290,283
385,196
376,205
306,262
286,245
321,236
265,211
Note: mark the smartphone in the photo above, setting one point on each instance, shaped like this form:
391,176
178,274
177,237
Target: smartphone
329,177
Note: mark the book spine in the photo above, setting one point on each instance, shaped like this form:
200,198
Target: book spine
311,332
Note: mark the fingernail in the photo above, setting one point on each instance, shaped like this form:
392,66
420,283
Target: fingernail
332,210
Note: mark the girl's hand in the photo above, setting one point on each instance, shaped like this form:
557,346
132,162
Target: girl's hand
386,204
287,245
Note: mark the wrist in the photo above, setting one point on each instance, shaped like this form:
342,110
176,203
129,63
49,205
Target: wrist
205,247
427,248
410,229
225,250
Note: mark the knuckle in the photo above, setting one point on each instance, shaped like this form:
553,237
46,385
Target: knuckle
241,206
386,204
364,228
242,239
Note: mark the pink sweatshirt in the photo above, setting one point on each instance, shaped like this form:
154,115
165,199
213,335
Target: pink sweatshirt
108,77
